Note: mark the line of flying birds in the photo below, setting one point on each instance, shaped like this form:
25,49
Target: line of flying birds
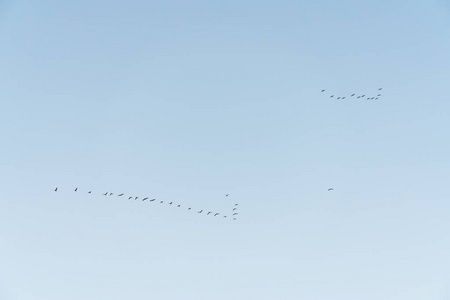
355,96
234,212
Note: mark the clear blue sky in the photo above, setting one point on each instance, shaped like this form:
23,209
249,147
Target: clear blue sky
189,100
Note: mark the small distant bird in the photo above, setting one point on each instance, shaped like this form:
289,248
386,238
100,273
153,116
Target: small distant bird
226,195
234,209
363,95
331,96
376,98
110,194
379,95
145,199
224,216
161,202
200,211
105,194
209,212
90,192
372,98
75,189
178,205
359,97
330,189
152,200
323,91
339,97
120,195
130,198
343,97
189,208
235,214
56,189
234,218
380,89
368,98
236,204
170,203
216,214
136,198
352,95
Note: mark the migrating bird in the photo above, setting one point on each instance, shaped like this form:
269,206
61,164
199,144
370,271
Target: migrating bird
363,95
189,208
343,97
56,189
380,89
110,194
352,95
234,209
178,205
379,95
234,218
226,195
75,189
90,192
152,200
209,212
161,202
236,204
331,96
330,189
339,97
200,211
235,214
130,198
216,214
170,203
224,216
136,198
120,195
322,91
145,199
105,194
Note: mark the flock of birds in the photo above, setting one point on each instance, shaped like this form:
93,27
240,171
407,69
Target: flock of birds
234,213
355,96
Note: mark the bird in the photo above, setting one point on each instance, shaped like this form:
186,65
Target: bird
130,198
152,200
234,209
234,218
376,98
226,195
178,205
235,214
170,203
90,192
379,95
200,211
236,204
189,208
343,97
352,95
136,198
145,199
75,189
359,97
330,189
161,202
105,194
56,189
339,97
110,194
209,212
224,216
216,214
363,95
322,91
331,96
120,195
380,89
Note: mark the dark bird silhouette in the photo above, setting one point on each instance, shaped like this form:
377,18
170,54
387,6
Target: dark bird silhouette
152,200
224,216
130,198
363,95
105,194
56,189
145,199
216,214
235,214
379,95
178,205
331,96
226,195
90,192
110,194
236,204
170,203
200,211
339,97
75,189
209,212
380,89
136,198
343,97
358,97
323,91
330,189
120,195
234,209
376,98
161,202
352,95
189,208
234,218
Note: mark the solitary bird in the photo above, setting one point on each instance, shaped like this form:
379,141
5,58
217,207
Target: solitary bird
145,199
75,189
200,211
216,214
90,192
56,189
189,208
226,195
323,91
105,194
130,198
120,195
330,189
380,89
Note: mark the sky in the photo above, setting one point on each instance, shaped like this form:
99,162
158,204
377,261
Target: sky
186,101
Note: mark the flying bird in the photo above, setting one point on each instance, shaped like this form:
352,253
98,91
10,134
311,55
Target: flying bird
170,203
224,216
56,189
331,96
234,209
236,204
161,202
322,91
330,189
75,189
379,95
145,199
226,195
136,198
130,198
234,218
189,208
216,214
352,95
90,192
363,95
339,97
380,89
200,211
343,97
110,194
209,212
235,214
178,205
105,194
152,200
120,195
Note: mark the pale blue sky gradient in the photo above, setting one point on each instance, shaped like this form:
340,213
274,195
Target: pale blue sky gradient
190,100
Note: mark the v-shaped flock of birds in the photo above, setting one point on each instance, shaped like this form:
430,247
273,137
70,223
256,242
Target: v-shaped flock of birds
233,214
356,96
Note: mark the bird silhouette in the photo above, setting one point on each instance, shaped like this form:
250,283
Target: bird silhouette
56,189
90,192
352,95
224,216
75,189
189,208
209,212
235,214
343,97
226,195
234,218
105,194
234,209
323,91
136,198
216,214
170,203
380,89
359,97
145,199
161,202
120,195
379,95
236,204
330,189
152,200
178,205
130,198
363,95
339,97
331,96
110,194
200,211
376,98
